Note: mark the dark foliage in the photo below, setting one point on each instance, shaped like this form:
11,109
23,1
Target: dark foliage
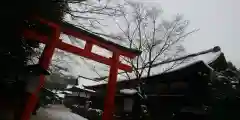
225,92
15,51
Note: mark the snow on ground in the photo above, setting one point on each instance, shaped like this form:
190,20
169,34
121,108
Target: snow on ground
56,112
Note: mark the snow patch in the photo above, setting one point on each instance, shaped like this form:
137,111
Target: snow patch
128,91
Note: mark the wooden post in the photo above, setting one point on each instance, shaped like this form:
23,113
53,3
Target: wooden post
44,61
111,88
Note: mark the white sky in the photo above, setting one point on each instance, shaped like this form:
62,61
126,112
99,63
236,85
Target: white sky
218,21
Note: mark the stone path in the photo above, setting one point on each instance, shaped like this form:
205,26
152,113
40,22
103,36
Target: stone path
56,112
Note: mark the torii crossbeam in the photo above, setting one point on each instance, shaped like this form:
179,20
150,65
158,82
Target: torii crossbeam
53,41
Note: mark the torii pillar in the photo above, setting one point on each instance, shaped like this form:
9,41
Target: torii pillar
91,39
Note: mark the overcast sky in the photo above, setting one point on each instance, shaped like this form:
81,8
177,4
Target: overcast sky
218,20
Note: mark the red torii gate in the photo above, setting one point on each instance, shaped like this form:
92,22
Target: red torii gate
91,39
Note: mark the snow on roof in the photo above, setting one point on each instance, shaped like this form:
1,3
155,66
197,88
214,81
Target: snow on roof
128,91
60,95
89,90
206,58
104,82
65,91
85,89
210,57
188,64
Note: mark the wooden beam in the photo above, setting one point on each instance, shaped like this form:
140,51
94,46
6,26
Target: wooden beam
75,50
88,36
99,41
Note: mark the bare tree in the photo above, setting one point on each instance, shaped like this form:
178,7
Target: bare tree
143,28
89,14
